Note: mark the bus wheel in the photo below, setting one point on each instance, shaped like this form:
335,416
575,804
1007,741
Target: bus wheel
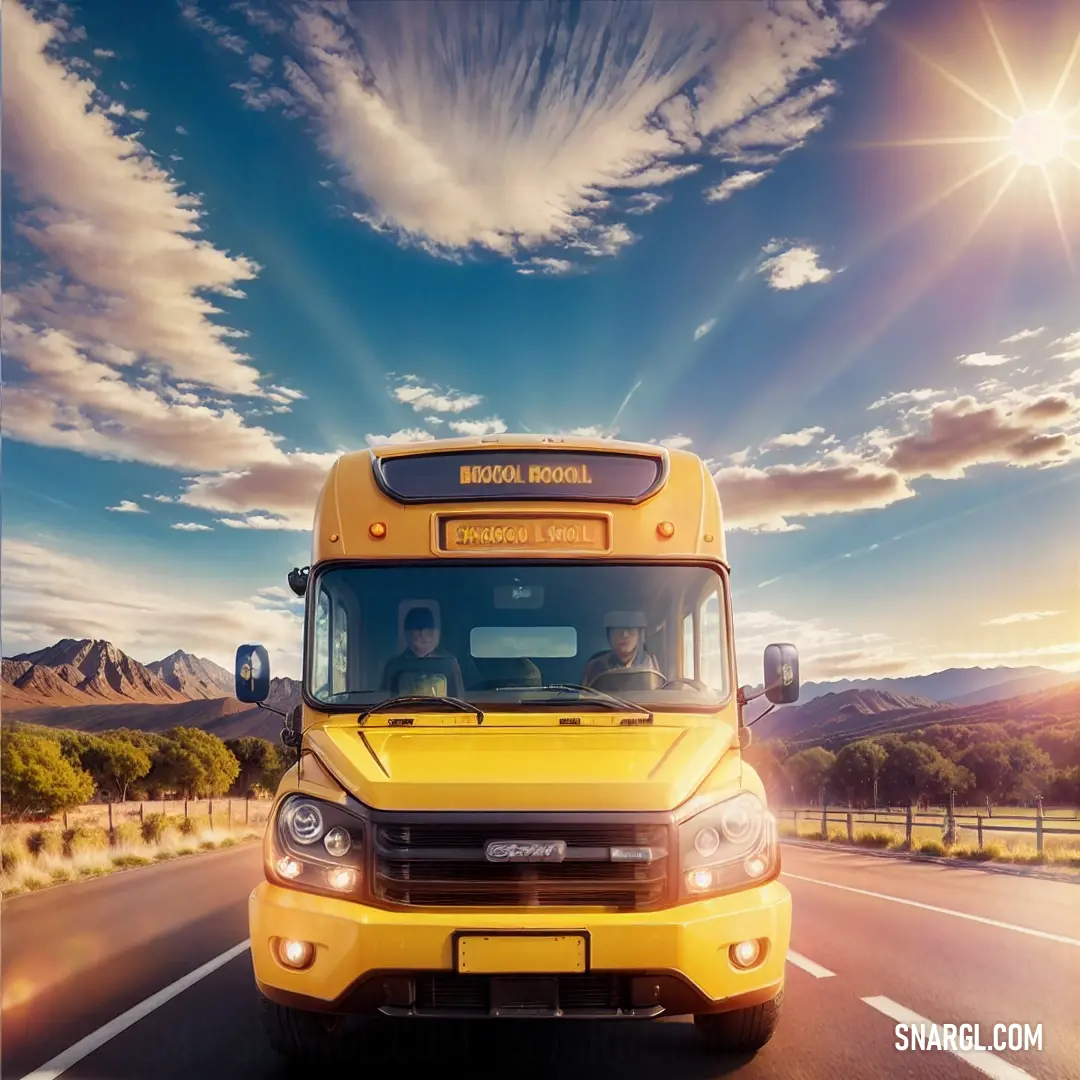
314,1038
740,1031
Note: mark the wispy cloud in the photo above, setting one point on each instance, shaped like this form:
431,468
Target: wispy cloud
1022,617
416,100
797,438
792,267
491,426
739,181
421,397
981,359
703,329
126,506
1022,335
405,435
190,526
906,397
1072,347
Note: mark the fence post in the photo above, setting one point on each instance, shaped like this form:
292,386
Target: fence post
950,820
211,814
824,815
247,807
978,819
229,818
1039,826
142,810
185,808
908,827
65,821
112,835
850,831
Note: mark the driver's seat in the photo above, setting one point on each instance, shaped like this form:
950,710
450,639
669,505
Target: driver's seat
619,680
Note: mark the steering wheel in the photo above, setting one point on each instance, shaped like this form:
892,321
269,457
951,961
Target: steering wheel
697,684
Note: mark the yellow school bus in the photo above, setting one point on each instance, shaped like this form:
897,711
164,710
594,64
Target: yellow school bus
521,789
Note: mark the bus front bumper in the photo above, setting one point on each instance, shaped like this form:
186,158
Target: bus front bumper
676,961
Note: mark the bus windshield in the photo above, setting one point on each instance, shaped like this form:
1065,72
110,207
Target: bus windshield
512,635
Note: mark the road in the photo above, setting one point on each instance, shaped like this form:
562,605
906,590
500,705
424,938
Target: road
950,945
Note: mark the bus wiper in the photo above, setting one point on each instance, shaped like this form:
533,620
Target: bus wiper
601,697
418,702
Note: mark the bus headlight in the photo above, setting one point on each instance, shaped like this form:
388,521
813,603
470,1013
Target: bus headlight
730,845
315,845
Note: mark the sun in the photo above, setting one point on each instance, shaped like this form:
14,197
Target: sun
1045,138
1037,138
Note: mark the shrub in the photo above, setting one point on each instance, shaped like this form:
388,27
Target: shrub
83,839
153,828
874,838
127,834
129,859
931,847
13,855
45,842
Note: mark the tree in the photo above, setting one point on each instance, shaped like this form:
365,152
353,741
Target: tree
856,768
195,762
808,770
915,769
115,764
260,763
36,777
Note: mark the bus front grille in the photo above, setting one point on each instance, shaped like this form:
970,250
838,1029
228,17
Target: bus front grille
447,865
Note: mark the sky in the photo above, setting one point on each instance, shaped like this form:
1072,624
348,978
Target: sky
830,246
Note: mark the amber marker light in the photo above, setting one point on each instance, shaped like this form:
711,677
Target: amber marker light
377,530
665,529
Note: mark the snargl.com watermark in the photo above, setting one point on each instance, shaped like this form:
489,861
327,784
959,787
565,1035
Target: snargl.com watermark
967,1037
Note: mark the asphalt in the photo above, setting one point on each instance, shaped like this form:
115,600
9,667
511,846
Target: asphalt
945,943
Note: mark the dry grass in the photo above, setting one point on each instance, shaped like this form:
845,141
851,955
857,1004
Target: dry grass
36,857
1017,848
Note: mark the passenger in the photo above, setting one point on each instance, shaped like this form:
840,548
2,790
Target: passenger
422,643
626,635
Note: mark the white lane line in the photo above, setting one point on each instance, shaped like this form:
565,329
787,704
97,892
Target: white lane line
74,1054
806,964
1045,934
982,1060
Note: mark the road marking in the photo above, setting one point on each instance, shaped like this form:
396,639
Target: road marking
74,1054
982,1060
1045,934
816,970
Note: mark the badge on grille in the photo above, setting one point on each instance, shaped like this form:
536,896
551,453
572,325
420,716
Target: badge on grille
525,850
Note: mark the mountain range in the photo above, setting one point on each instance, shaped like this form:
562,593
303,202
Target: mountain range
91,685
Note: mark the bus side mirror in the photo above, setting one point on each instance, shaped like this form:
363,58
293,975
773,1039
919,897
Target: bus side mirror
252,674
782,674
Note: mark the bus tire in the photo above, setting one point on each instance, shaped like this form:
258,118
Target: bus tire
741,1031
309,1037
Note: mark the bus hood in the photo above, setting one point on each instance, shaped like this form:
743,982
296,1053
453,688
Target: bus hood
458,768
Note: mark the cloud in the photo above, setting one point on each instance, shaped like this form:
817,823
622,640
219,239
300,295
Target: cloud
225,37
825,652
284,489
1021,617
104,54
416,101
676,442
405,435
797,438
906,397
964,433
1022,335
793,268
1072,347
261,522
704,329
547,266
645,202
739,181
181,130
51,594
190,526
126,506
491,426
410,391
981,359
762,500
116,225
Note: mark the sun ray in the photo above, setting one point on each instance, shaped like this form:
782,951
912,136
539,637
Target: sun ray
959,83
1065,77
942,140
988,209
1052,195
1003,58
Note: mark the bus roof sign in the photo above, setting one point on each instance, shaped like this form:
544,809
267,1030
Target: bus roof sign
514,475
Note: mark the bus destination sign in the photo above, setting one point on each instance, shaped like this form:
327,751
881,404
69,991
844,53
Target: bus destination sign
516,474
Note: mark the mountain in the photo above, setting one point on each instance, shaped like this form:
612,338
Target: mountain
846,708
958,685
84,671
193,676
832,728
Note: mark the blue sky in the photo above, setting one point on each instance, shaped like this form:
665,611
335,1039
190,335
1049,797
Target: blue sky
242,237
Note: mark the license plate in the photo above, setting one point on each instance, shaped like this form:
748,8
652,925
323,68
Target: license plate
521,954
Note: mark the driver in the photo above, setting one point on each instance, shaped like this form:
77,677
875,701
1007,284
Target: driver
422,640
626,635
